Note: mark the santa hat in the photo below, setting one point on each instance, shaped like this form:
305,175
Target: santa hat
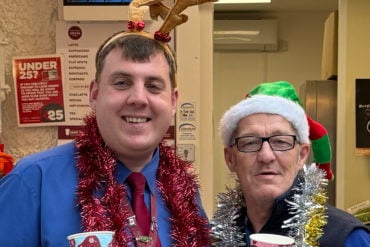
282,99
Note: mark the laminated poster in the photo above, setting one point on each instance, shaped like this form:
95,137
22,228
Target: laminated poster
39,90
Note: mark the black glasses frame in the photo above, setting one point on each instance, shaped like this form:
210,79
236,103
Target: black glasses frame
264,139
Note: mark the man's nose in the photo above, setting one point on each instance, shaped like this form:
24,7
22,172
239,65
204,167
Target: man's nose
137,95
266,153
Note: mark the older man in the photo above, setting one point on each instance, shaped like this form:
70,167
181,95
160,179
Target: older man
266,143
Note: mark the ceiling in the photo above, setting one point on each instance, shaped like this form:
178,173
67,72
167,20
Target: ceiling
281,5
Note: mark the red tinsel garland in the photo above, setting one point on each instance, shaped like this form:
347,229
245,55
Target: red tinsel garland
96,165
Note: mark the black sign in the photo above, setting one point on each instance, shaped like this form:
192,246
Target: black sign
363,113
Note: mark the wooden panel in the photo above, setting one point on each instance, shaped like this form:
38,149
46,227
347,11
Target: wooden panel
329,62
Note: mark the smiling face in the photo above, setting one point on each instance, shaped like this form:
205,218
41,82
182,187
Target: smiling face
134,105
266,174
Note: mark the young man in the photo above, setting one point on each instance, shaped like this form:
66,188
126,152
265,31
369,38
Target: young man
266,143
83,185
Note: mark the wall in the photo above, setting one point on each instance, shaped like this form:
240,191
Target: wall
29,29
194,58
353,174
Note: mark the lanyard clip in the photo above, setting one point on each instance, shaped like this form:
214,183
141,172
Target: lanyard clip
154,224
131,220
144,239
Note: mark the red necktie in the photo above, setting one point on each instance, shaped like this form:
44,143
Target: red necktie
137,183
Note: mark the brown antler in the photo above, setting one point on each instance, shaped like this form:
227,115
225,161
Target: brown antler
174,18
136,11
158,9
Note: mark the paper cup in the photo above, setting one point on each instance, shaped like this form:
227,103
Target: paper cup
91,239
270,240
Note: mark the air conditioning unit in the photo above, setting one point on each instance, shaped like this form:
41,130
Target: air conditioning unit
251,35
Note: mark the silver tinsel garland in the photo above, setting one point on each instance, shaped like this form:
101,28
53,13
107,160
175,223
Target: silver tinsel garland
307,207
224,231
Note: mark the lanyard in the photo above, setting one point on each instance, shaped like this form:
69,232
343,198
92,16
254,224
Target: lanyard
144,241
247,232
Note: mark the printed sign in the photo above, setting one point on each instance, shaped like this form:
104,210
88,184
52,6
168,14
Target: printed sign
187,112
39,90
187,131
186,152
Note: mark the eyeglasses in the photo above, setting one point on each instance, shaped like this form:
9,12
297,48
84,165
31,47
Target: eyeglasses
249,144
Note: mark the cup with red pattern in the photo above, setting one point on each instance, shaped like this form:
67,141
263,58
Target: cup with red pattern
91,239
270,240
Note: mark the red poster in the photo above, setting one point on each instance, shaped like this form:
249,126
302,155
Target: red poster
39,90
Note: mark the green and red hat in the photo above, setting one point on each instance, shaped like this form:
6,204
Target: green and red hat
282,99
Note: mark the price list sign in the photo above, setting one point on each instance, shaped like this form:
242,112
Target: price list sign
39,90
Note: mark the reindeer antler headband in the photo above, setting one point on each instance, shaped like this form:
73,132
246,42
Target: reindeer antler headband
172,17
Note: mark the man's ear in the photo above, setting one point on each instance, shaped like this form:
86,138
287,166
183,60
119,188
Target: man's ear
229,158
94,88
174,99
304,151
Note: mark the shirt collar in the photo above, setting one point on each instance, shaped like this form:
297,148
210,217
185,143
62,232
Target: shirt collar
149,171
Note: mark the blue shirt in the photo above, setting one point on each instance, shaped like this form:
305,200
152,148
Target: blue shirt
358,238
38,199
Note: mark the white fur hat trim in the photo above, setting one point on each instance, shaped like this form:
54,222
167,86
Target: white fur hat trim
288,109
